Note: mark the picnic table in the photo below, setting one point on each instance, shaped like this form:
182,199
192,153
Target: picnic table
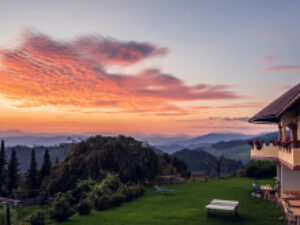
296,213
222,205
266,190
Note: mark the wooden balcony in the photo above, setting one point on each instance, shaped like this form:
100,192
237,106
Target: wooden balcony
289,156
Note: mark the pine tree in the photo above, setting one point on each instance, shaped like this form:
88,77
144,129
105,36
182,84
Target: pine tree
12,173
46,167
3,171
32,179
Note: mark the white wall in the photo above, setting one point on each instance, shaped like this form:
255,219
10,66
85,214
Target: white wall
290,179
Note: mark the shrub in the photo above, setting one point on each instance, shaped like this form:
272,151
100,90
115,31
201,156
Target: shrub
67,197
102,202
117,199
111,182
82,189
61,210
258,169
131,192
136,190
37,218
84,207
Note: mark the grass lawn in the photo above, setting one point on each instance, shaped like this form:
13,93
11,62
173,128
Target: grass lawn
18,214
187,206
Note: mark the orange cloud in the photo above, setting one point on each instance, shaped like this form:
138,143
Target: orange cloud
46,72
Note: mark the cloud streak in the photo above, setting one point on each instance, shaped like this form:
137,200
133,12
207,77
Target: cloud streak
281,68
241,119
275,64
42,71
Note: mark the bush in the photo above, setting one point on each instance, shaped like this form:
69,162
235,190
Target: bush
82,189
136,190
84,207
259,169
102,202
131,192
61,210
111,182
67,197
117,199
37,218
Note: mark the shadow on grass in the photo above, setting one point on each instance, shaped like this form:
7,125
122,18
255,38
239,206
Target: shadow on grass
227,218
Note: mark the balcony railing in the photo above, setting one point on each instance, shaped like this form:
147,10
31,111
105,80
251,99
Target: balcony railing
286,152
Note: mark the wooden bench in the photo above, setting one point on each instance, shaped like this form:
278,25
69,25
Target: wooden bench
222,205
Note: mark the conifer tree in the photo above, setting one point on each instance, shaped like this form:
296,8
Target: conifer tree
3,171
46,167
12,173
32,179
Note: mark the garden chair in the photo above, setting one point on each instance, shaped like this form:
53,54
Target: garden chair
162,190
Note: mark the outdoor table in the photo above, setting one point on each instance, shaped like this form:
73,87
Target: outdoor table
296,213
266,191
294,203
231,206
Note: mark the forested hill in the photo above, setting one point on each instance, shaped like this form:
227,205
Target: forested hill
130,159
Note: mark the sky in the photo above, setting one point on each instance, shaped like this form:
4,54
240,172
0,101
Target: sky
150,67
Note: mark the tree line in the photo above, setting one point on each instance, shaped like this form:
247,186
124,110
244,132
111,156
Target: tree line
13,182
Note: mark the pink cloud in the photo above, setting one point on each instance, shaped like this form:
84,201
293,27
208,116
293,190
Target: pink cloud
281,68
42,71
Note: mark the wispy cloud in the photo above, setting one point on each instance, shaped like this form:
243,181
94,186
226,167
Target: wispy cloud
242,119
230,106
226,119
275,64
281,68
42,71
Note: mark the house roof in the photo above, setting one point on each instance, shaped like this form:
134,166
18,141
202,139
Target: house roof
272,112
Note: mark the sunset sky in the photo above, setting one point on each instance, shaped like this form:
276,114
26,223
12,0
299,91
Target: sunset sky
156,67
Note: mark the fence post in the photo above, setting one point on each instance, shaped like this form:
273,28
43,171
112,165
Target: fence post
7,214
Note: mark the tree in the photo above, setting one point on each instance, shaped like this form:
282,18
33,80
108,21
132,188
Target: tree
12,173
46,167
32,179
218,163
2,169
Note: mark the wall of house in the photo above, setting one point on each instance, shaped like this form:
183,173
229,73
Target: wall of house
290,179
298,128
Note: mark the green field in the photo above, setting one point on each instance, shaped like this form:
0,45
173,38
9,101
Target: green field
187,206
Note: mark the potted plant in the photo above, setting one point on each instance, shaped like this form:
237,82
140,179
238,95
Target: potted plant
258,144
250,142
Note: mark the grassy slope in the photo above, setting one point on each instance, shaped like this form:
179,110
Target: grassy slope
187,206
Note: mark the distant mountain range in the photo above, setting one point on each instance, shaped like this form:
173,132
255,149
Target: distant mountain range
231,145
165,143
200,141
17,137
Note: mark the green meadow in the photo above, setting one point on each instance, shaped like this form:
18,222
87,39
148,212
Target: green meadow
187,206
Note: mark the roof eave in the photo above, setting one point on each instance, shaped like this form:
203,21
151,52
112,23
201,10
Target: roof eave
263,120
